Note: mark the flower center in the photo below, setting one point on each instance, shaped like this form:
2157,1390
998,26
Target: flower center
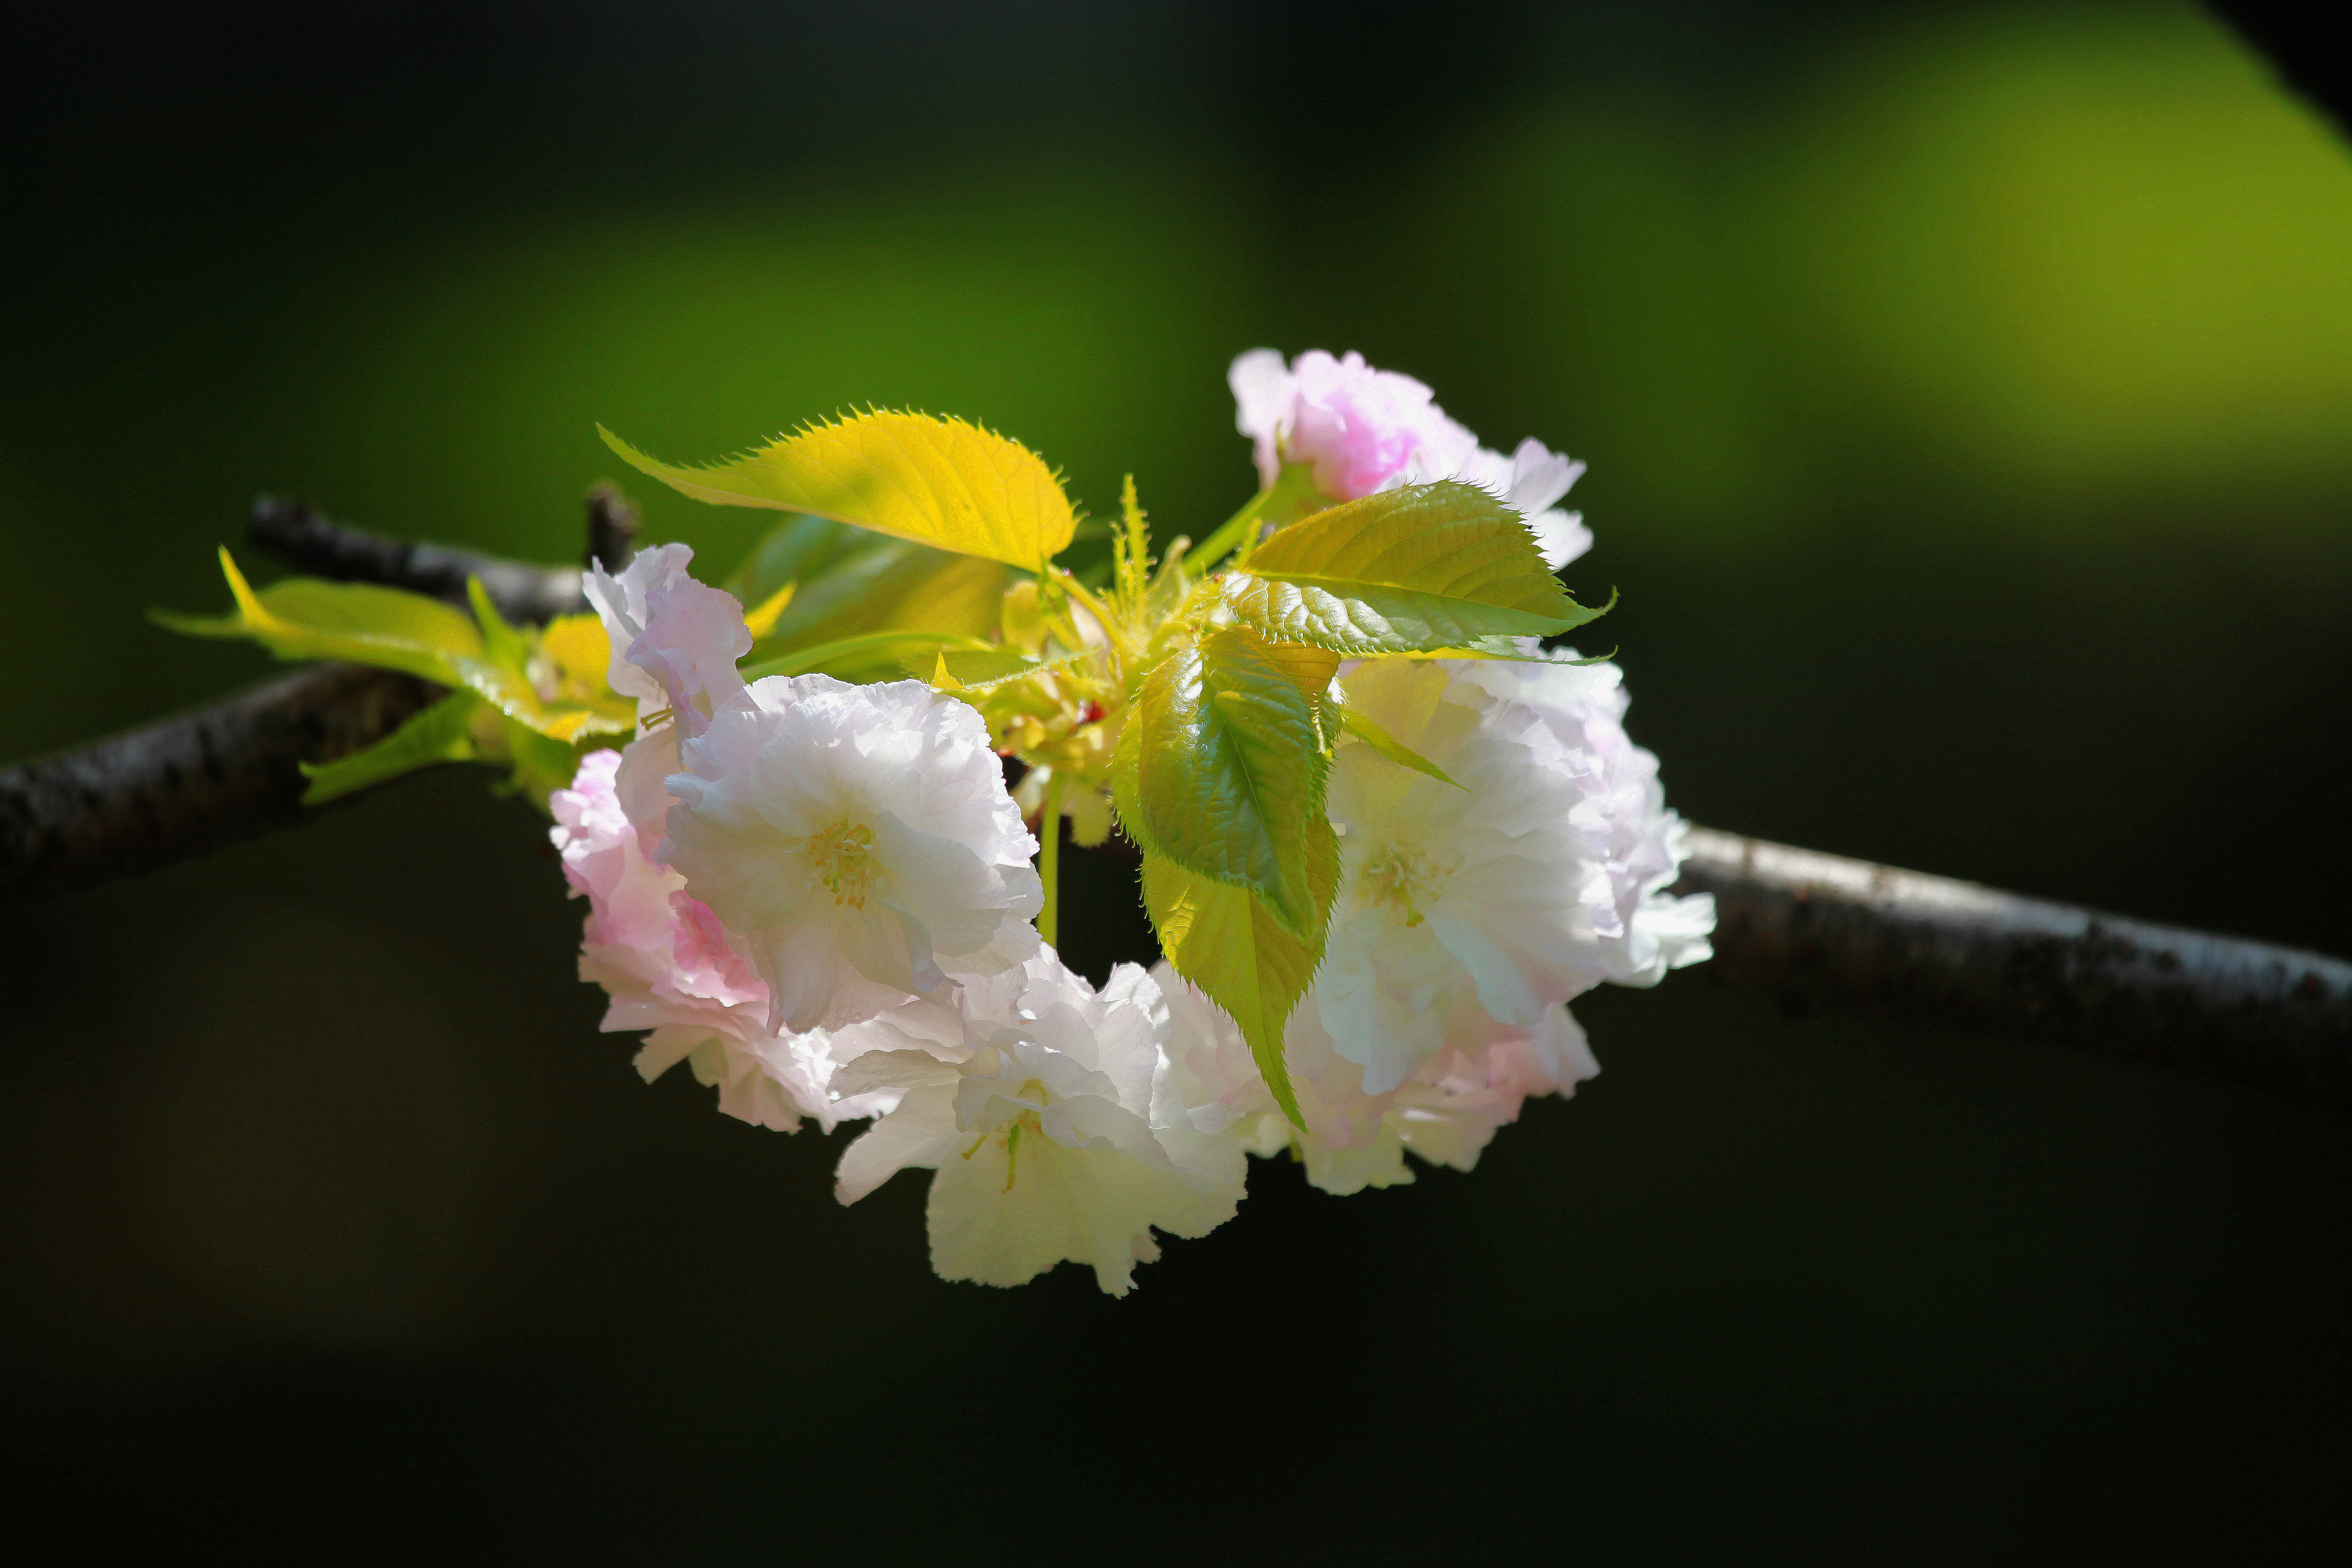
1033,1090
1401,880
839,857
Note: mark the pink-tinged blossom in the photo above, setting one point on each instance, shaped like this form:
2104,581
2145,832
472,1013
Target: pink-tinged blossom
1363,430
674,643
1643,931
662,954
1445,1113
673,970
675,640
1055,1126
858,840
668,966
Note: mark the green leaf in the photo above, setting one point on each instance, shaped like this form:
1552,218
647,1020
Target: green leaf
847,581
1370,731
761,620
986,664
1228,774
939,481
393,629
1502,650
1407,570
543,764
797,548
844,649
1225,941
1126,788
442,733
502,645
303,617
1311,668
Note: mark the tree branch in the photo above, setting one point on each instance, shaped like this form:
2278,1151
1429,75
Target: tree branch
611,529
322,547
189,785
1818,930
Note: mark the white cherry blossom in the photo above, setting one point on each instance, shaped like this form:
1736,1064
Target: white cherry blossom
1445,1113
1643,931
857,840
1463,911
1057,1129
819,897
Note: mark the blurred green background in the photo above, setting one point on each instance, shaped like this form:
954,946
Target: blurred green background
1968,399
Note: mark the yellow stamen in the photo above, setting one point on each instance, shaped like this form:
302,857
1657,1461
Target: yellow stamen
840,859
1401,879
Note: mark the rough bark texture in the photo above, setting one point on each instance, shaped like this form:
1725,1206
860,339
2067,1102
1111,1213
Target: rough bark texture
1818,930
191,783
321,547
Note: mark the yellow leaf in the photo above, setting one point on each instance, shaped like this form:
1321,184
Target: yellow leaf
581,652
940,481
763,620
963,596
1370,731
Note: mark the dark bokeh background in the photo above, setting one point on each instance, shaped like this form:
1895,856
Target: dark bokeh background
1968,397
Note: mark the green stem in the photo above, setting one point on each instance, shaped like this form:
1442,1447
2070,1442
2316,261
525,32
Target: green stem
1230,533
1049,859
1112,627
1292,496
808,658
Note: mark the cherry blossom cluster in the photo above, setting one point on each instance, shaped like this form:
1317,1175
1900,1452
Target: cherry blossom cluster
820,897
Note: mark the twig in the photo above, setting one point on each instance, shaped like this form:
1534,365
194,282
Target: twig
1818,930
611,529
324,548
189,785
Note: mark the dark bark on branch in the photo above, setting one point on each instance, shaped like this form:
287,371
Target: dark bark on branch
611,529
1818,930
191,784
321,547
